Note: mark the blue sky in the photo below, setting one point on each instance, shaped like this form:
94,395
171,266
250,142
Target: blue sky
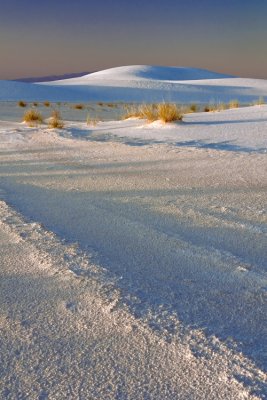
62,36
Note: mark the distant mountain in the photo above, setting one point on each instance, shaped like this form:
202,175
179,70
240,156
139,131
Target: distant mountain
52,77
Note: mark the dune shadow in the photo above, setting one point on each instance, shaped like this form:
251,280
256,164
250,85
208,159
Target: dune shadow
225,122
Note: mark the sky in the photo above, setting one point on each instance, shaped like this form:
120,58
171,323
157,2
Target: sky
53,37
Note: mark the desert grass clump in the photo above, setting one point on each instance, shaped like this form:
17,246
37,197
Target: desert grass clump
131,111
169,112
55,120
221,106
144,111
91,121
233,104
47,103
193,108
100,103
148,112
166,112
33,117
22,103
211,107
78,106
35,104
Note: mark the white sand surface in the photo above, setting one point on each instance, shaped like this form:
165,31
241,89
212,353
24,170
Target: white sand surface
134,269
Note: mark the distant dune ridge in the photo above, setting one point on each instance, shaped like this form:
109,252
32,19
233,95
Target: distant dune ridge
150,72
140,83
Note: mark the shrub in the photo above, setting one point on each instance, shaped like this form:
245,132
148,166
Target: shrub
35,104
100,103
233,104
78,106
46,103
55,120
32,117
22,104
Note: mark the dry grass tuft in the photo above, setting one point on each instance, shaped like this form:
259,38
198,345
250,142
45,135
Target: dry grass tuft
210,108
168,112
131,111
35,104
46,103
55,120
193,108
221,106
33,117
22,103
233,104
91,121
148,112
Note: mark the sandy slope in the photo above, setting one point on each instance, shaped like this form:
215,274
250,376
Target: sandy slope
241,129
164,293
62,337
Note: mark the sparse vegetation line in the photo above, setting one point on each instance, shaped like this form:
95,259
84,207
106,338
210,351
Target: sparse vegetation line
166,112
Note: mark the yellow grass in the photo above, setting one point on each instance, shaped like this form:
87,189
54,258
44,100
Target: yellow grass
46,103
222,106
131,111
32,117
193,107
166,112
148,112
91,121
233,104
55,120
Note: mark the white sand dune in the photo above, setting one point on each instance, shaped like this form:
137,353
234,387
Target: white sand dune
146,72
141,83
